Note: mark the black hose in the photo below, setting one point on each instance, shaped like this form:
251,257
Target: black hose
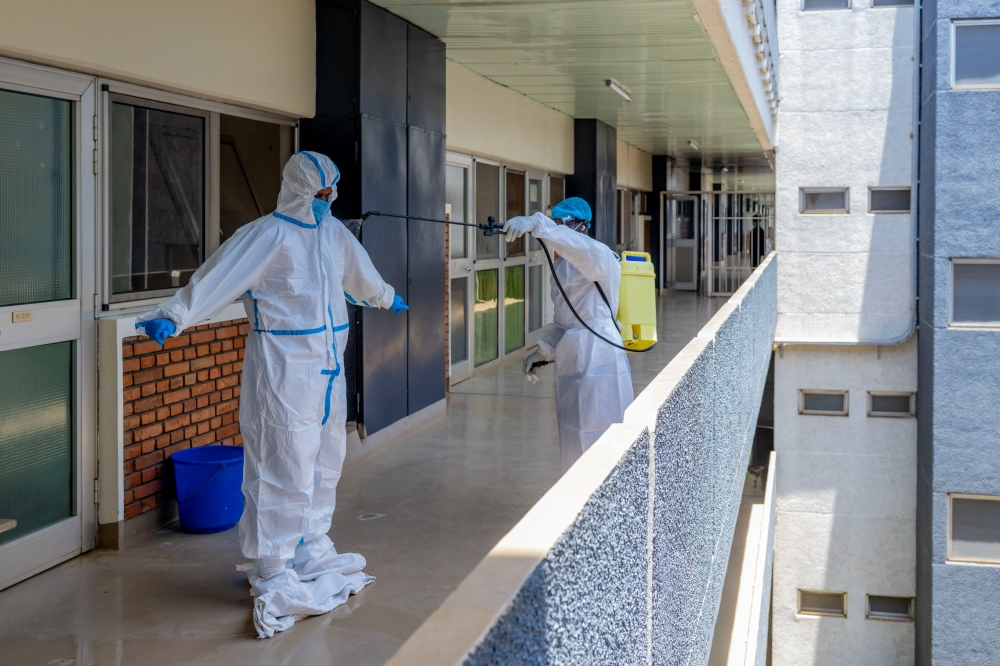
577,315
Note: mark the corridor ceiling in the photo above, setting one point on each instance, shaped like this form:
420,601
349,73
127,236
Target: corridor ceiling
560,52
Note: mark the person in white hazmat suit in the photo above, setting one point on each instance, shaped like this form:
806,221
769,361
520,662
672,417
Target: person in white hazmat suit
293,270
593,379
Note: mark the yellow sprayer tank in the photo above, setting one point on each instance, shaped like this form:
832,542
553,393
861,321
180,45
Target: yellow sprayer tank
637,301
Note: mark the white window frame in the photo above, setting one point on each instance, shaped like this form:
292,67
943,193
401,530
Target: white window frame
895,5
213,109
967,560
798,603
951,294
889,189
850,5
955,23
910,414
812,412
887,618
807,190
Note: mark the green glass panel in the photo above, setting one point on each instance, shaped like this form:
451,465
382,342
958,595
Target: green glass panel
513,308
36,437
36,199
486,320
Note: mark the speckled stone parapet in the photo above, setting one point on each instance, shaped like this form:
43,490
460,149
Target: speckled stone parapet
628,583
586,603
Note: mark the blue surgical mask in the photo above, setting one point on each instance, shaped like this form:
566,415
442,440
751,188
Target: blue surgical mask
320,208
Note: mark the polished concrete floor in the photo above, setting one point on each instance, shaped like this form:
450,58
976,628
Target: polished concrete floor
423,513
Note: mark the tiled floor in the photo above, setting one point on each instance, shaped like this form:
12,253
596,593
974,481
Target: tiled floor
423,513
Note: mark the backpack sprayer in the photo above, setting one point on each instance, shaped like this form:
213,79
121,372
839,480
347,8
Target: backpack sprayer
636,320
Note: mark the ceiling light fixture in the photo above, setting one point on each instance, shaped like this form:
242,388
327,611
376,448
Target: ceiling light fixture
725,169
618,88
693,145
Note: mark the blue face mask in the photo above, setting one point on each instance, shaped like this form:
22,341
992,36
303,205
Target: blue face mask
320,208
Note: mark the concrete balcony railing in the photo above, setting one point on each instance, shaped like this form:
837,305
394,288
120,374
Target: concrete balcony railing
623,560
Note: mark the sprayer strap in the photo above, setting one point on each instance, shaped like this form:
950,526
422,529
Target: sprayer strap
608,303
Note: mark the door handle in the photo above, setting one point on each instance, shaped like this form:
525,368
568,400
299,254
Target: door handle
468,269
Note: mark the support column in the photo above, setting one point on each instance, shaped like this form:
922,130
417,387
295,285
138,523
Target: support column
595,175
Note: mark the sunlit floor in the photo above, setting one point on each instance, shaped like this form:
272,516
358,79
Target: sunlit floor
423,513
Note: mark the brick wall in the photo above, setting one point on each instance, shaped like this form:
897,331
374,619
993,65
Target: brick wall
182,395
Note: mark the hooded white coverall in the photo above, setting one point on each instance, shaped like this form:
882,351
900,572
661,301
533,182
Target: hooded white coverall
293,275
593,379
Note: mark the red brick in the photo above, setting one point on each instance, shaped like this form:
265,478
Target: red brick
150,473
176,396
145,347
131,394
149,403
148,460
146,418
177,369
190,431
128,467
203,427
189,353
131,452
215,348
178,342
214,373
202,363
180,446
176,436
146,362
146,376
202,336
227,332
126,351
244,328
238,367
238,440
202,351
177,356
127,409
190,405
215,423
214,398
190,380
226,382
162,413
132,510
147,489
130,365
228,431
228,418
163,358
239,343
148,446
133,480
226,394
202,389
149,431
130,422
202,401
228,406
127,381
228,357
228,345
202,415
236,391
128,496
176,409
202,440
176,422
148,389
163,386
203,376
127,437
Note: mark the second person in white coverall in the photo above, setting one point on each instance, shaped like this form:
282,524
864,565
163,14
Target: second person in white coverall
293,270
593,378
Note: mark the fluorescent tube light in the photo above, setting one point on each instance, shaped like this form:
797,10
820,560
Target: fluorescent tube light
618,88
693,145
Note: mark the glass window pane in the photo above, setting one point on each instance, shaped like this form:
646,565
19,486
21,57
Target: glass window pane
456,196
157,198
487,204
822,603
535,276
977,54
824,403
534,206
458,320
814,5
892,3
36,437
896,608
557,191
36,199
976,293
252,156
891,403
890,201
975,529
513,308
516,206
487,321
824,201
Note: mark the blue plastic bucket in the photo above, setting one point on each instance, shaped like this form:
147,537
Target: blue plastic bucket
209,480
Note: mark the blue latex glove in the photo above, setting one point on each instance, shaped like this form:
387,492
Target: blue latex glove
158,330
398,305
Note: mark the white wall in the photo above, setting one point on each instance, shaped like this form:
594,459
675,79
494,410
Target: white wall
487,119
846,506
257,53
635,168
846,117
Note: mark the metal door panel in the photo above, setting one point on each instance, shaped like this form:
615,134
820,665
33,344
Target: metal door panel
383,64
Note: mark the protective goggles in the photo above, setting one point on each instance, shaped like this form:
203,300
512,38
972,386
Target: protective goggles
575,224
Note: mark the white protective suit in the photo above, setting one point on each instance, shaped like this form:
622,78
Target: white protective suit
293,275
593,379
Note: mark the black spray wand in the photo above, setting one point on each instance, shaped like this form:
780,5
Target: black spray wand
491,228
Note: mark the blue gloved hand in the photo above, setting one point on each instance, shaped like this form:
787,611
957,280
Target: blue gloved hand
398,305
158,330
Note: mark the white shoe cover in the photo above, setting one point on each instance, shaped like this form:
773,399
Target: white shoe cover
318,557
282,598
